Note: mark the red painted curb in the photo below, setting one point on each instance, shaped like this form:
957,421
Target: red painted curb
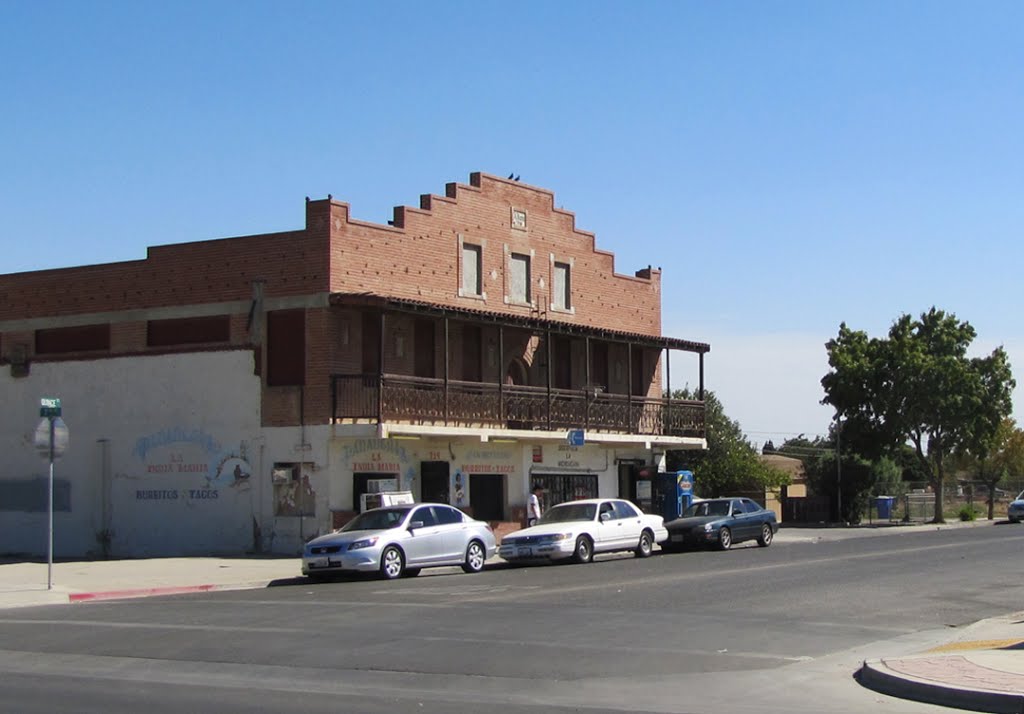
139,592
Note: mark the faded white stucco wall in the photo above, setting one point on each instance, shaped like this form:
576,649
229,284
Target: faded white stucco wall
307,447
161,455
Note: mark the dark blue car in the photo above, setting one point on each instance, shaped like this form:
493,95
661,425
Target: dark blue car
721,522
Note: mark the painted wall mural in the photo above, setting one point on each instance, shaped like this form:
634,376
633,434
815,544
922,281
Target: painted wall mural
383,456
191,465
460,488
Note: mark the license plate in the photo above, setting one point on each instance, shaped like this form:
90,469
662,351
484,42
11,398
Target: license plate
524,552
318,562
677,538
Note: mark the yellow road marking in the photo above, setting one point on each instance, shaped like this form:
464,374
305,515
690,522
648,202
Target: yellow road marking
978,645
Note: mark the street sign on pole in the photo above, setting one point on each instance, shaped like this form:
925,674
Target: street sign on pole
49,407
51,439
60,437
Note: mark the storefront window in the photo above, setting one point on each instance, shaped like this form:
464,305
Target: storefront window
559,488
293,494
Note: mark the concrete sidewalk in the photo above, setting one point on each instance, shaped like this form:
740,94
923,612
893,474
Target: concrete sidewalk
24,584
980,668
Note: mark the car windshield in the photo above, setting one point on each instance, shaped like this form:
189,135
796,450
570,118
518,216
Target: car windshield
707,508
376,520
570,512
1020,496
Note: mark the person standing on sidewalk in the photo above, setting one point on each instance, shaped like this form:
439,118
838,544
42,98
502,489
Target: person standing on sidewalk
533,510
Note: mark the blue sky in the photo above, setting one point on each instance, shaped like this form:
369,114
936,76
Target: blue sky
789,165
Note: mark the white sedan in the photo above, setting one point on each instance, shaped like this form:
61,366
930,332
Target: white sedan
579,529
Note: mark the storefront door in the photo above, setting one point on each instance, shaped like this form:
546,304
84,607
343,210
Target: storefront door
434,482
487,497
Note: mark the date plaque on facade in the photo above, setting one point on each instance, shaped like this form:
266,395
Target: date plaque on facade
519,218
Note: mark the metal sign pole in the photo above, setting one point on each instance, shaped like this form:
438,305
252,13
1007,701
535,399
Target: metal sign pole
49,539
51,440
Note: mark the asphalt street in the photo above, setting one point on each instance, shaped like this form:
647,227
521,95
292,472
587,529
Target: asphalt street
753,629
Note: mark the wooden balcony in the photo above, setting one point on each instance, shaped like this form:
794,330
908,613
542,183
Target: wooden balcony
417,400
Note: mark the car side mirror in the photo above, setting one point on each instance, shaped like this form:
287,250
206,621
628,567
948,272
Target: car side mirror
415,524
606,516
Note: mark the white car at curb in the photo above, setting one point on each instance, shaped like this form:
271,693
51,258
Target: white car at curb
580,529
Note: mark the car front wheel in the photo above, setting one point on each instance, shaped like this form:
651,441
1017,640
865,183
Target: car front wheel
584,552
392,563
724,539
475,557
646,545
765,539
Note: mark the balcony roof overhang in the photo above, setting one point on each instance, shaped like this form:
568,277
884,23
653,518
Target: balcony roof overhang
526,322
394,430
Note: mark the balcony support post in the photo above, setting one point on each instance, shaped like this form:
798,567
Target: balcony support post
701,390
547,339
587,386
668,391
380,372
334,399
501,375
629,385
446,361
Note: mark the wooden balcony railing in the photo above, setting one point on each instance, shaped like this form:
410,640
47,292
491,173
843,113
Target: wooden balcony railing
419,400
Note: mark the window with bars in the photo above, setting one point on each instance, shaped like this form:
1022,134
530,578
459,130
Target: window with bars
559,488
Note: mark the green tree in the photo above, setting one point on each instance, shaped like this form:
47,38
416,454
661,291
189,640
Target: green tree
800,447
996,458
731,463
1008,458
918,386
846,485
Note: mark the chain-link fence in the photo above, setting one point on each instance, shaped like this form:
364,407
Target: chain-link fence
963,500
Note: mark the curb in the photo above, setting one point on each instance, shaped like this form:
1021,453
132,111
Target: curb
876,675
134,593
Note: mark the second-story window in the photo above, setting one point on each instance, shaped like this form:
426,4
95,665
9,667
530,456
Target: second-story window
519,278
286,348
561,287
472,269
79,338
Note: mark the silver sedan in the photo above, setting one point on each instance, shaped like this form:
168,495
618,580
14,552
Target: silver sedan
400,540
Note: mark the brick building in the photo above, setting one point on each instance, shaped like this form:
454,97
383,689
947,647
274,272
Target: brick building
242,394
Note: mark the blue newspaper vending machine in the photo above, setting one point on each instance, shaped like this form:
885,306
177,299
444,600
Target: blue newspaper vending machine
673,493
